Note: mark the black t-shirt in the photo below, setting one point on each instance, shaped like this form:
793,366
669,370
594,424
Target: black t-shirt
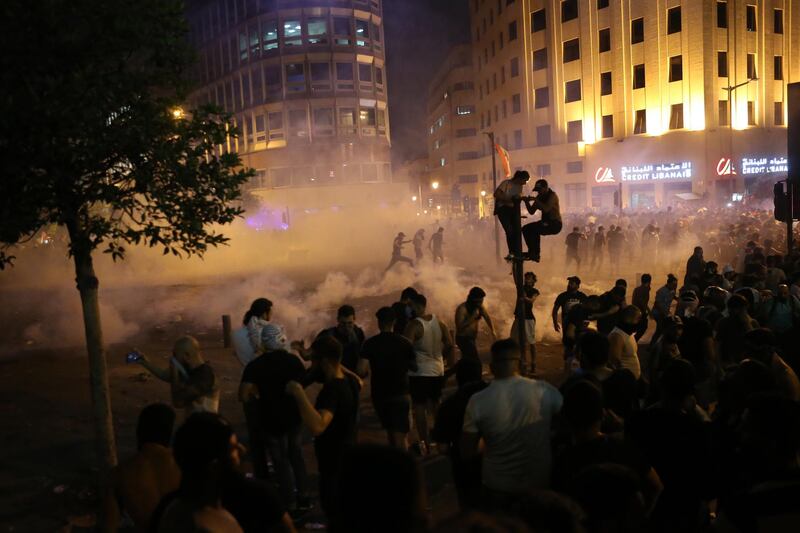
530,292
340,397
450,417
606,324
270,373
571,461
578,316
572,241
401,317
566,300
390,358
351,344
253,503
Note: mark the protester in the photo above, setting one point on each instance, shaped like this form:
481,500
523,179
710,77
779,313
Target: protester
695,266
641,299
572,241
402,310
563,303
397,252
546,201
468,316
419,239
506,208
436,246
351,337
598,246
623,349
761,345
730,331
662,307
525,308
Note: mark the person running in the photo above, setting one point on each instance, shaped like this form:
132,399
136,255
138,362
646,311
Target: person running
419,239
506,207
566,300
572,242
529,295
432,345
546,201
468,315
397,252
436,246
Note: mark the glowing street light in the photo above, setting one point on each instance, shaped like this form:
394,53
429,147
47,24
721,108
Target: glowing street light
435,185
438,208
177,113
413,198
483,193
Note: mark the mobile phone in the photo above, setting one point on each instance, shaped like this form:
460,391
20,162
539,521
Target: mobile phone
133,357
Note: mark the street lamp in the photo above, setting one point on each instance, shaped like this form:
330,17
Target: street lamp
435,185
413,198
177,113
483,194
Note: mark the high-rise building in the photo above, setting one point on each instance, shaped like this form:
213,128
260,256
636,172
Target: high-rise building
667,99
306,83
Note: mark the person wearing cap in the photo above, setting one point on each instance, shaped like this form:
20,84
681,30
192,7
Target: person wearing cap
276,427
513,418
563,303
468,316
546,201
397,251
506,207
663,303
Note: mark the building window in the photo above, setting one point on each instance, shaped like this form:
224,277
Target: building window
751,18
572,50
467,155
638,76
540,59
602,4
543,170
574,167
675,68
504,109
572,92
514,69
778,67
298,123
366,117
722,64
605,83
778,120
362,32
466,132
323,121
608,126
605,40
637,31
674,20
502,42
517,139
722,14
365,72
292,33
465,110
512,31
676,117
542,97
317,30
516,104
468,178
344,71
752,73
778,26
751,113
295,74
502,75
347,120
378,76
269,35
320,71
574,131
543,136
640,123
722,109
275,124
342,31
569,10
538,20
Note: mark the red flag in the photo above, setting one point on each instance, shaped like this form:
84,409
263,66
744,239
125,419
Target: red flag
505,160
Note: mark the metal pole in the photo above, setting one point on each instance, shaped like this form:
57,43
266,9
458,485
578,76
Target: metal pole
494,188
789,216
518,266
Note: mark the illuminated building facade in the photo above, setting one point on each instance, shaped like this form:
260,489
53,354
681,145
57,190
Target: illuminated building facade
591,94
306,83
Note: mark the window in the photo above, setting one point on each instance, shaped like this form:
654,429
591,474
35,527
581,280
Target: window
674,20
347,120
638,76
272,77
512,31
569,10
344,71
514,67
517,139
602,4
605,40
722,14
362,32
637,31
466,132
778,114
540,59
258,87
376,33
722,109
640,123
467,155
501,40
320,71
465,110
317,30
676,68
468,178
722,64
543,136
542,96
269,35
608,126
574,131
574,167
503,74
538,20
323,121
275,122
778,68
752,73
292,33
543,170
572,50
751,18
295,73
605,83
676,117
572,92
751,113
366,117
298,123
516,104
342,31
778,25
365,72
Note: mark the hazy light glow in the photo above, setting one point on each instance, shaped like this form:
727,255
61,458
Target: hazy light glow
435,185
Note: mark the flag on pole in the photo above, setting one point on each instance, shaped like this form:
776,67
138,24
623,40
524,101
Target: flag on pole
504,159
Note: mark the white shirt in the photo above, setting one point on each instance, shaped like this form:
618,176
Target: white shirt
242,345
513,416
629,358
428,349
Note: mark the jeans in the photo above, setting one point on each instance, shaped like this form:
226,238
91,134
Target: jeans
533,234
467,346
506,217
290,468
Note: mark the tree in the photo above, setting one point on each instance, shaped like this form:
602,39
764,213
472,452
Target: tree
92,139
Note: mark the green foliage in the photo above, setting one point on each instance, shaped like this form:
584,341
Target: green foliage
88,139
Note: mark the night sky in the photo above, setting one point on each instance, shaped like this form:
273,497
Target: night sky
419,34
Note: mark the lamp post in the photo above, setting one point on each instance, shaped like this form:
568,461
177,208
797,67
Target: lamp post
730,90
490,134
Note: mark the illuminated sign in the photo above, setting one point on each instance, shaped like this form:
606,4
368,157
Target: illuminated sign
658,172
763,165
604,175
725,167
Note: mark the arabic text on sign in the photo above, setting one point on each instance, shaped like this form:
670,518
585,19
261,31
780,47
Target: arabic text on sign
657,172
763,165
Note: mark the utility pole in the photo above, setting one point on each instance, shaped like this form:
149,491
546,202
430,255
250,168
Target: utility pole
494,188
793,151
518,268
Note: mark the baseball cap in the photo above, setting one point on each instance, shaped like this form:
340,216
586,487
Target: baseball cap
576,279
273,337
727,269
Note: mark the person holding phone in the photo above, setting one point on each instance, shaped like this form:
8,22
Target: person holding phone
192,380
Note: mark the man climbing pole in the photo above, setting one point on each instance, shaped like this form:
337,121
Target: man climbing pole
546,201
506,201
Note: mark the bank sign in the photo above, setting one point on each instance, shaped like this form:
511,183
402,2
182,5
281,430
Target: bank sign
681,170
763,165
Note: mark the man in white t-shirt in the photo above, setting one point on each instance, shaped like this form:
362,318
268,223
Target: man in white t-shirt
512,417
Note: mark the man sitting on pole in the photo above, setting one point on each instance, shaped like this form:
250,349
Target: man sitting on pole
506,207
545,201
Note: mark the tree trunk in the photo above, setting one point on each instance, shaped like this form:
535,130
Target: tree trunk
98,375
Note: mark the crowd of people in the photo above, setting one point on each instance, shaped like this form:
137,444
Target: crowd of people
697,429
